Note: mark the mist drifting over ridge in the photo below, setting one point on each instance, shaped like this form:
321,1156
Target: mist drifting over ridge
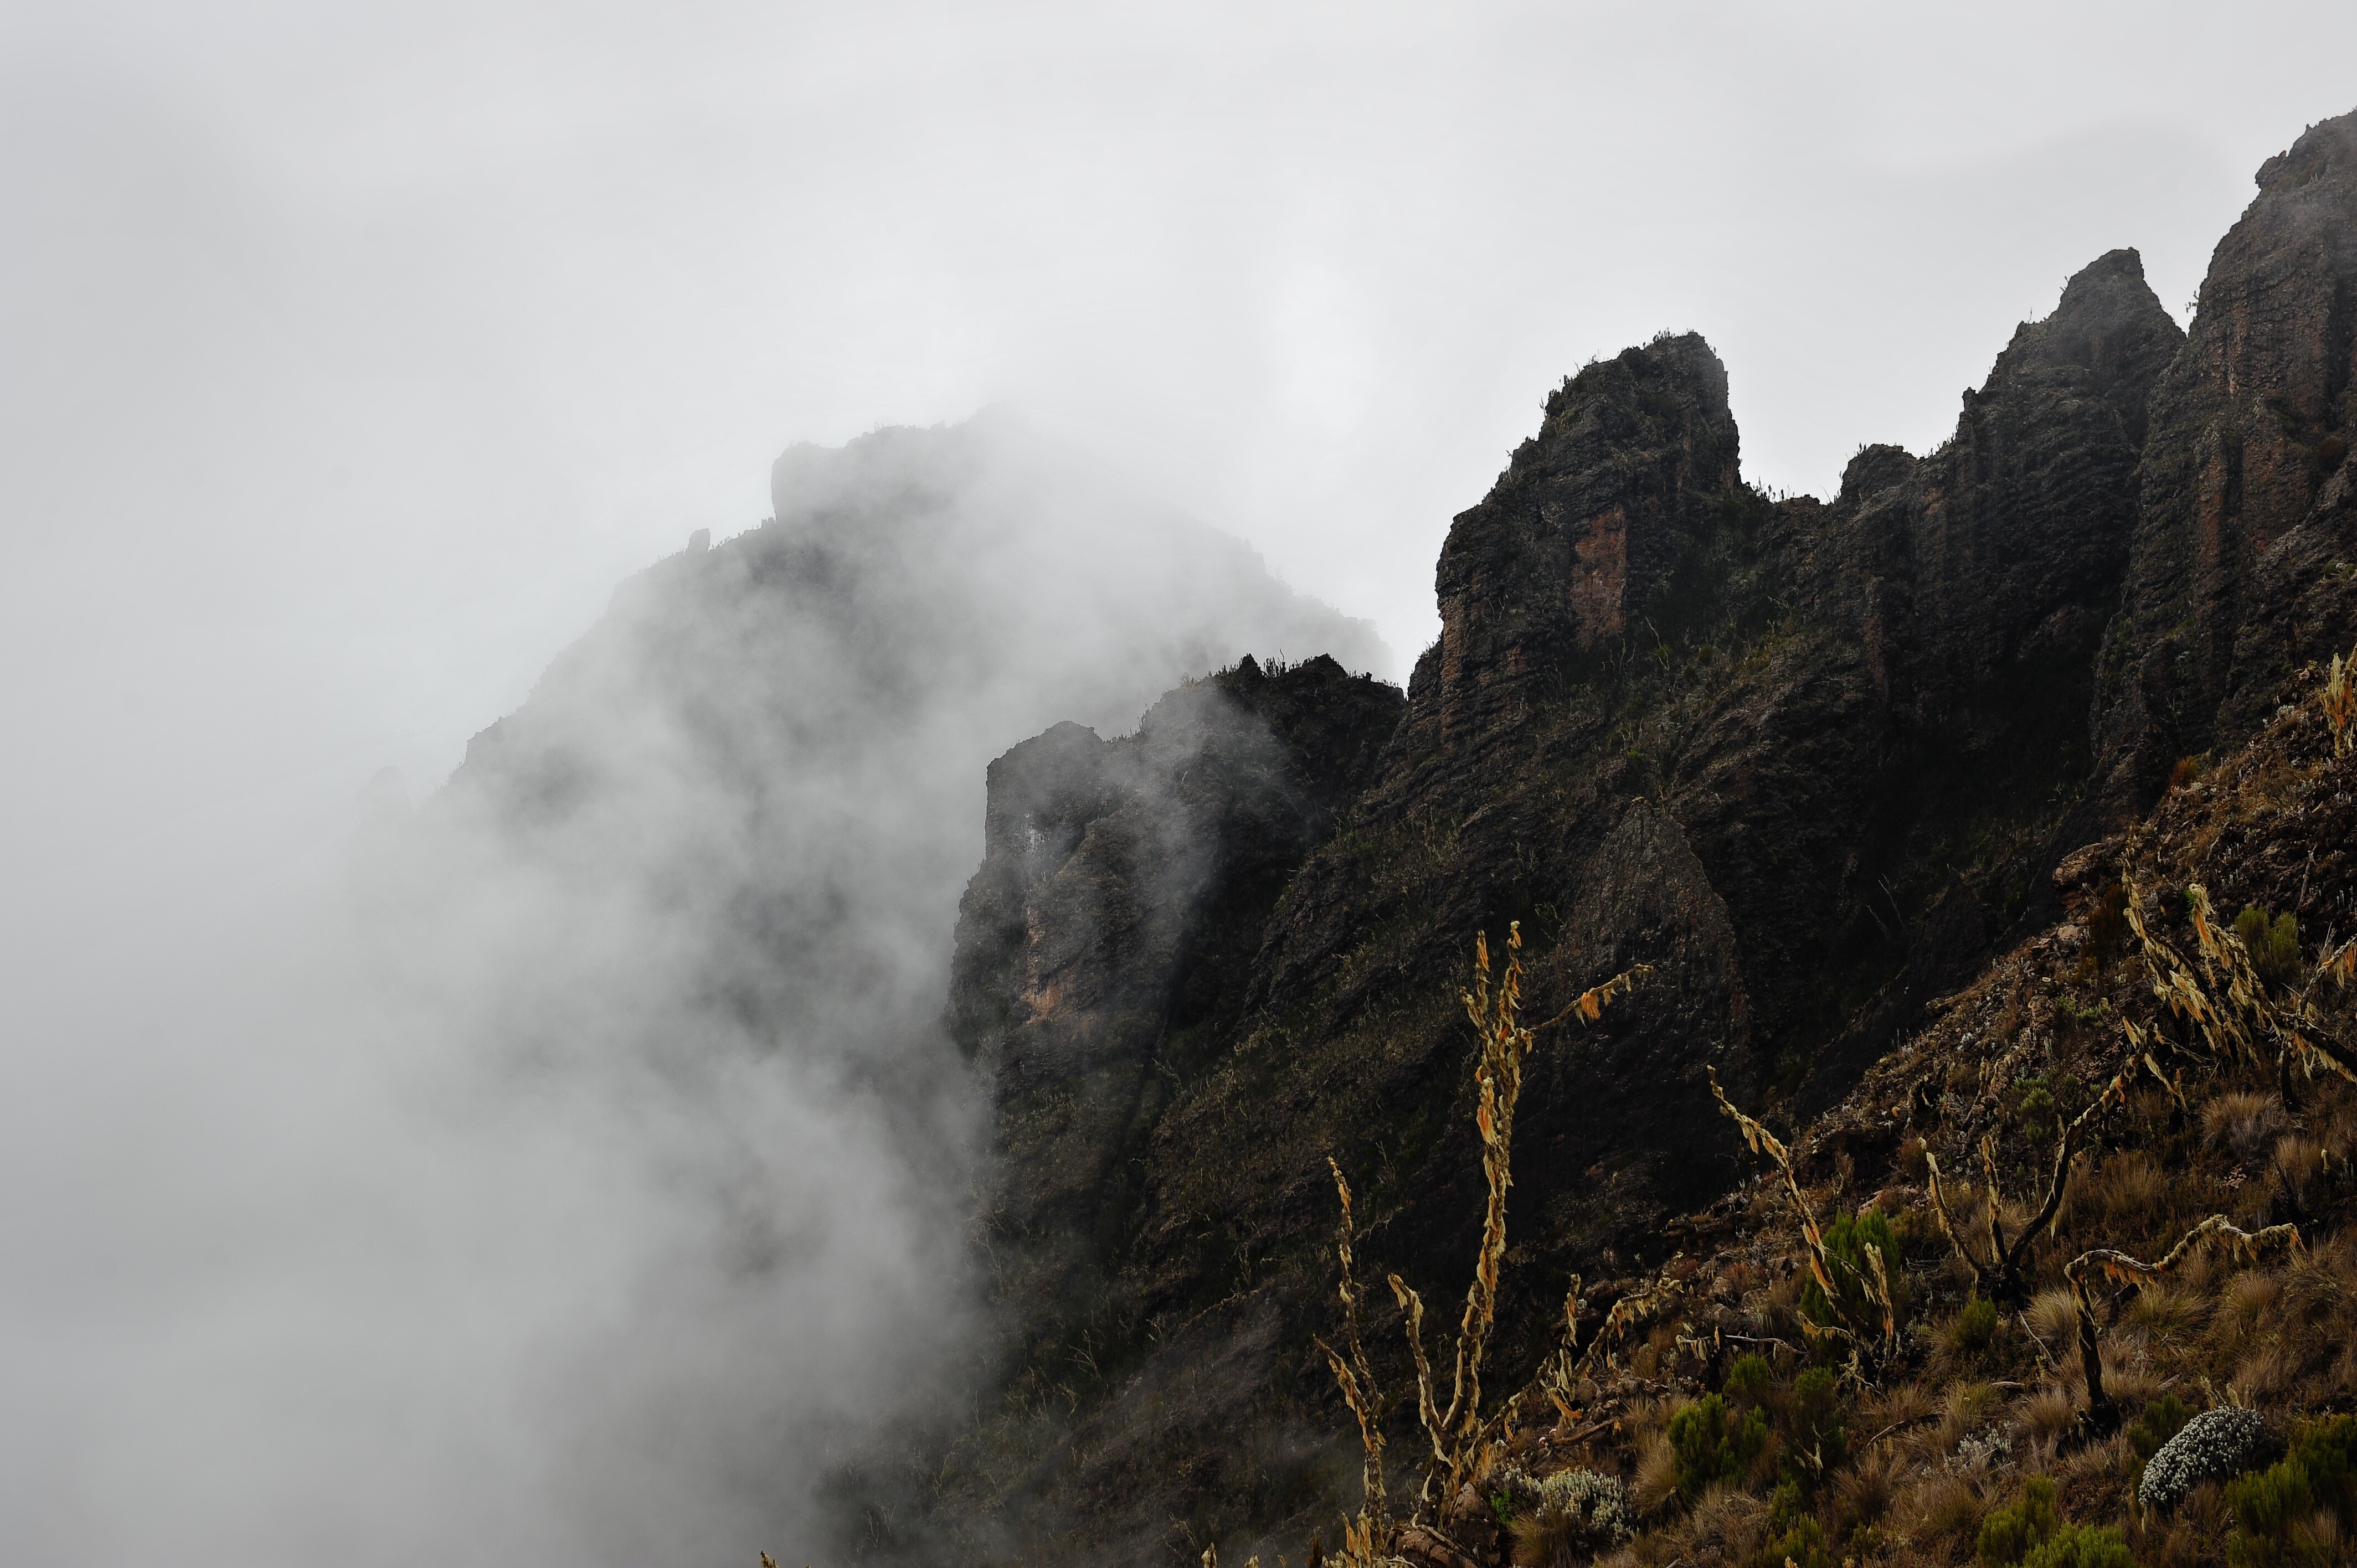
589,1172
353,355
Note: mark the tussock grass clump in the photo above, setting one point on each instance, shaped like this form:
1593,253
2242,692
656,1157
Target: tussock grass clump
2242,1122
2126,1184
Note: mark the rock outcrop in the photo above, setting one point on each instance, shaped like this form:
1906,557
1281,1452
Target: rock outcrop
2240,569
1107,937
1104,951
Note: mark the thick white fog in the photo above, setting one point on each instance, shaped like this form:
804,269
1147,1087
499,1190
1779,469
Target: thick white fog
585,1176
389,1172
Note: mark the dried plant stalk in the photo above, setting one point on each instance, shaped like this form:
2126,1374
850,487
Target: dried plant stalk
2340,702
1556,1372
1355,1378
2100,1414
2224,1002
1628,1310
1876,1282
1457,1430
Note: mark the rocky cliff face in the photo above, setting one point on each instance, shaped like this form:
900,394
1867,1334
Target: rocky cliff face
1104,944
2239,570
1807,760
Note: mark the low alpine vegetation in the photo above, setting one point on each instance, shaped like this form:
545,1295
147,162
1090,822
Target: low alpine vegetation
2069,1282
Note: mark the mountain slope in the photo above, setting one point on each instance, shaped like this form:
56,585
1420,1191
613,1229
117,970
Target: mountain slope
1812,762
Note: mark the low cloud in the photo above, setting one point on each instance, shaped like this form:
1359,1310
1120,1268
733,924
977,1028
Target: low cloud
586,1174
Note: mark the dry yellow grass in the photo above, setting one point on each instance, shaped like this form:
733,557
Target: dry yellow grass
2338,701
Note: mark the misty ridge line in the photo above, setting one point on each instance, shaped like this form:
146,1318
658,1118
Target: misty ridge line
583,1173
661,968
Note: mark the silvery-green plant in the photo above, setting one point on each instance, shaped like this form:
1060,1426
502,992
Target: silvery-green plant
2212,1447
1580,1514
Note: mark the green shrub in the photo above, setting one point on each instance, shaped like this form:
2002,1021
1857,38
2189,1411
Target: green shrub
1847,1240
1975,1326
2034,1109
2272,944
2011,1532
1818,1434
2074,1546
2276,1511
1710,1443
1803,1545
1751,1378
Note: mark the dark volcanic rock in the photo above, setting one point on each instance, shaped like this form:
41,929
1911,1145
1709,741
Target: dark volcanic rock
1585,535
2240,566
2020,524
1113,919
1803,759
1103,951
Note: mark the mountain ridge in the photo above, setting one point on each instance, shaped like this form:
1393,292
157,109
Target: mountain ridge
1813,762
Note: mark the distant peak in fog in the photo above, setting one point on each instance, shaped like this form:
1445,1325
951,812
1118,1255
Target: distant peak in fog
707,876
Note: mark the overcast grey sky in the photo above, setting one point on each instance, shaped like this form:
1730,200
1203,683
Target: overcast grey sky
352,353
